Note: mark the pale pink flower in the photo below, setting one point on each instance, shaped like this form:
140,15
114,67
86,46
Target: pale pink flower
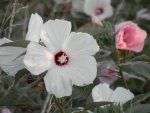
130,37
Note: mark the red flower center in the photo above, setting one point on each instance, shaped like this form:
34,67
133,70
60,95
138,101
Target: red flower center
99,11
61,58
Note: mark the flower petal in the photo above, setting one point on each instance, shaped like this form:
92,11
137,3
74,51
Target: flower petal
11,68
8,54
82,70
4,40
81,44
34,28
37,59
101,92
121,95
57,82
54,33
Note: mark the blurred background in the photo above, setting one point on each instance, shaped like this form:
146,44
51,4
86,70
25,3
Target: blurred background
15,14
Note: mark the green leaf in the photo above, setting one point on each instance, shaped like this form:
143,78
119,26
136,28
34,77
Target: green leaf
25,100
18,97
136,100
134,76
141,108
23,44
20,74
12,97
141,69
141,58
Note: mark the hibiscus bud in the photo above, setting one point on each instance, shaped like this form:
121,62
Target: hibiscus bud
130,37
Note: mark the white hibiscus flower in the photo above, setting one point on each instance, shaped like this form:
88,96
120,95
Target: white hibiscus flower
9,61
100,9
102,92
67,57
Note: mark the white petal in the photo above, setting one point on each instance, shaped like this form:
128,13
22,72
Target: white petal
57,82
9,61
4,40
11,68
54,33
121,95
8,54
101,92
34,28
81,44
82,70
37,59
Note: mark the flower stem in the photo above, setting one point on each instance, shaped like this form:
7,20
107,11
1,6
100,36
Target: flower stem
121,73
46,104
59,105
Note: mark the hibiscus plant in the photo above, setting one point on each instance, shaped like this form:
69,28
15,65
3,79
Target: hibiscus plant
75,56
